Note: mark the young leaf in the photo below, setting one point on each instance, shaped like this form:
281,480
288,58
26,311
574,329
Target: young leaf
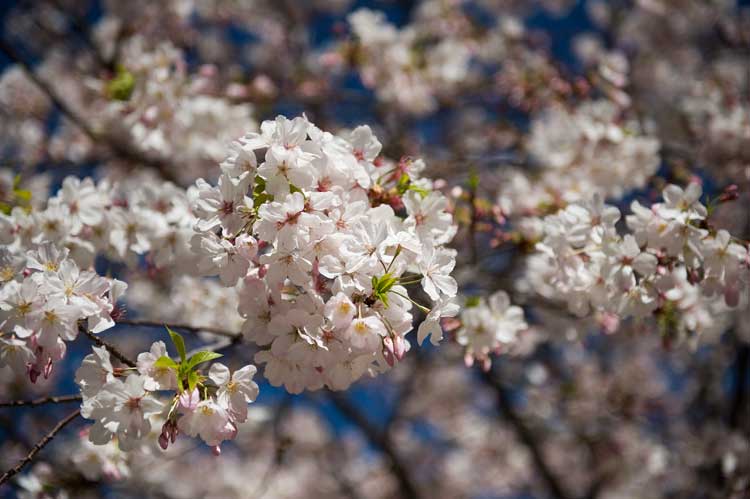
472,301
193,379
200,358
473,180
178,342
419,190
403,184
121,86
166,362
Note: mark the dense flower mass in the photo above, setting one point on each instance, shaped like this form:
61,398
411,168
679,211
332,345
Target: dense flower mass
125,406
43,298
403,69
592,149
554,193
672,264
322,237
487,327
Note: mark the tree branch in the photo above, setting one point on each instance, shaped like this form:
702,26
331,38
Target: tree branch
526,435
739,398
60,399
83,31
379,439
182,327
39,446
118,147
110,348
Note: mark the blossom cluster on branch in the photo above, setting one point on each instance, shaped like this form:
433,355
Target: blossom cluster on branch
672,265
554,192
43,297
124,405
322,236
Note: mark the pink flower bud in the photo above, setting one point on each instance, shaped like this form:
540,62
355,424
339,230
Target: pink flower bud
189,400
163,441
732,295
468,360
399,347
486,364
33,373
388,352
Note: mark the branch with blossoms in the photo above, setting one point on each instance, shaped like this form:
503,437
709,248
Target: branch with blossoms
492,218
322,253
123,150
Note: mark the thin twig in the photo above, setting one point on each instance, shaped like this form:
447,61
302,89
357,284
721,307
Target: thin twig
110,348
473,185
39,446
182,327
60,399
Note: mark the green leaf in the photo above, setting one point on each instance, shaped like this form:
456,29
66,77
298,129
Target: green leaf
22,195
121,86
178,342
419,190
473,180
472,301
193,379
259,192
201,357
384,299
166,362
381,286
403,184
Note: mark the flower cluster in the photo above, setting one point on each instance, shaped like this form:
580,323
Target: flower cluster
49,249
20,98
716,111
402,67
169,112
584,151
488,326
671,261
117,220
321,237
43,297
125,405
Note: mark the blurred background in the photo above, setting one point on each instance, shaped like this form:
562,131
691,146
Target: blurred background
144,89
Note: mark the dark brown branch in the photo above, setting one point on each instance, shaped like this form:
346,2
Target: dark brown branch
39,446
61,399
526,436
116,146
281,443
83,31
181,327
381,440
110,348
473,221
739,399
